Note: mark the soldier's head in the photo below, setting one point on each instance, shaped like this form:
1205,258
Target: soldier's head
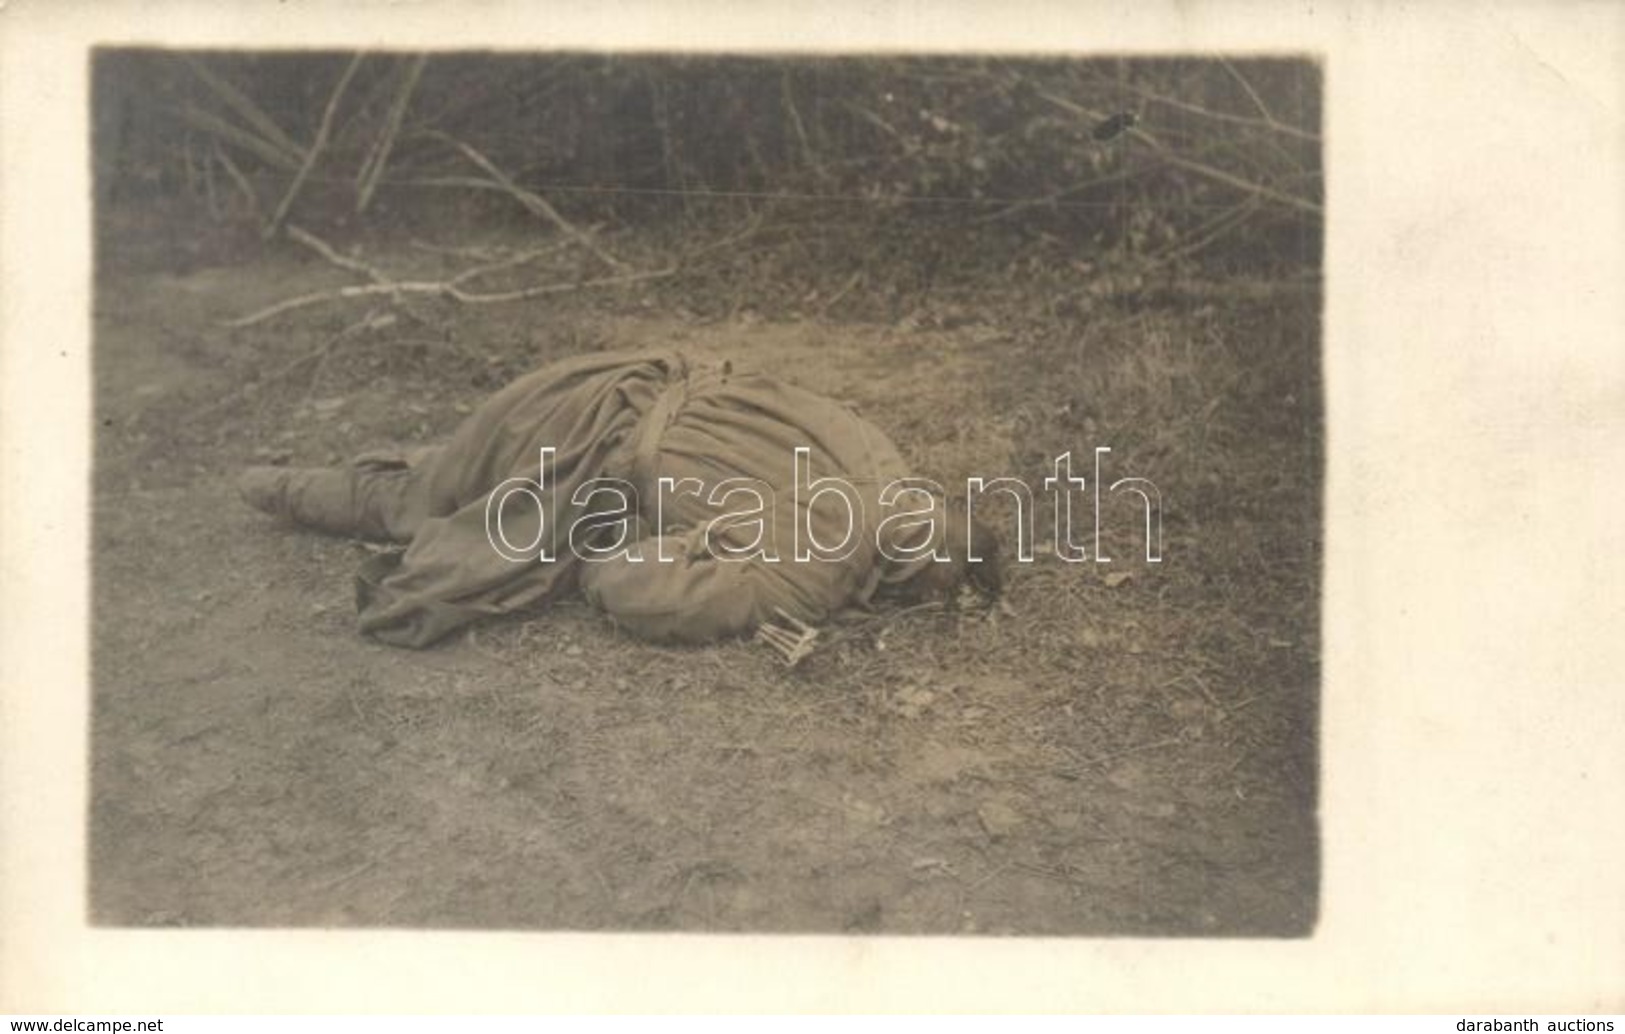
973,558
975,550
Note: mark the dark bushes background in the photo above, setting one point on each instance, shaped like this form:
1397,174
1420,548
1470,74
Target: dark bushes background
1221,171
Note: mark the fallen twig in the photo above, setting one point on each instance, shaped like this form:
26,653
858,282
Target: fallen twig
532,202
444,288
383,284
497,265
876,121
316,147
331,254
471,298
326,251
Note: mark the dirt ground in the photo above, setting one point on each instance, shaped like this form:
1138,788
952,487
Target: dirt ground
1132,751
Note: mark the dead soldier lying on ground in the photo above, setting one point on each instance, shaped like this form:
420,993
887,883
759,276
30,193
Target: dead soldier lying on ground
657,424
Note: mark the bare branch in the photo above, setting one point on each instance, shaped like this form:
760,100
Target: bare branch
372,169
238,178
316,147
327,252
1263,109
213,124
453,289
807,153
1072,106
470,298
875,120
252,113
533,203
317,297
497,265
444,288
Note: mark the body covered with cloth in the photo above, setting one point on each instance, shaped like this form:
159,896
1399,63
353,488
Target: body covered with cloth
666,491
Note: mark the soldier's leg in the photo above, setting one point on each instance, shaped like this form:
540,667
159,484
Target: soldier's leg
375,497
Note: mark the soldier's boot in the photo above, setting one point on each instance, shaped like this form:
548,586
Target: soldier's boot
326,498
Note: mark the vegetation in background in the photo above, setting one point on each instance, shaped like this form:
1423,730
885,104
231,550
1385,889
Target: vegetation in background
1135,169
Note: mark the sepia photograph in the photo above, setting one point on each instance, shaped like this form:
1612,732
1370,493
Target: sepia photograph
860,494
676,506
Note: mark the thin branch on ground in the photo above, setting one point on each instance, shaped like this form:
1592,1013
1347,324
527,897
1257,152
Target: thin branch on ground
316,147
472,298
441,288
532,202
497,265
328,252
384,285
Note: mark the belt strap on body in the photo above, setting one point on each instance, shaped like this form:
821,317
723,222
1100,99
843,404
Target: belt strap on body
652,428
